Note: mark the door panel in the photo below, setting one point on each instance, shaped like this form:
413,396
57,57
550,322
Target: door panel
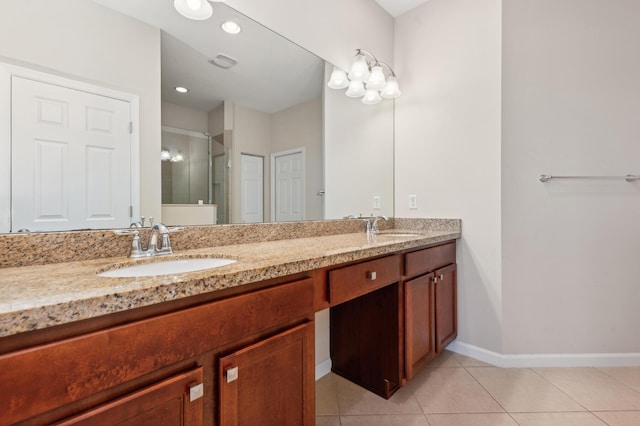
419,323
74,151
446,306
251,190
271,382
289,187
168,403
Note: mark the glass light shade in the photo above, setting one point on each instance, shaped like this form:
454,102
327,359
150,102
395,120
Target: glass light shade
338,79
356,89
178,158
371,97
376,80
391,90
359,69
165,155
194,9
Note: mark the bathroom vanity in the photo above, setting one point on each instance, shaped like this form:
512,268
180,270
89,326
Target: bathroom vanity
225,346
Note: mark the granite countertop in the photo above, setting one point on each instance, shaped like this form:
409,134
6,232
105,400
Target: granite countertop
36,297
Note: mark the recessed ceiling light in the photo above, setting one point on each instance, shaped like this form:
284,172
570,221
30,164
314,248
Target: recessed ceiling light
194,9
230,27
181,89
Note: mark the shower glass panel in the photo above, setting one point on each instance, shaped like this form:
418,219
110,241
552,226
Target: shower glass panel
195,170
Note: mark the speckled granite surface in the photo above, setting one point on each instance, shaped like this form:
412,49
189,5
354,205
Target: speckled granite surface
69,246
39,296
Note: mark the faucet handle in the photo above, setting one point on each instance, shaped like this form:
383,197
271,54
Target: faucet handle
136,245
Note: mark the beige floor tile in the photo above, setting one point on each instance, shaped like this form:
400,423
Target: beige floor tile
385,420
620,418
493,419
327,396
354,400
445,359
451,390
467,361
592,388
556,419
630,376
327,421
522,390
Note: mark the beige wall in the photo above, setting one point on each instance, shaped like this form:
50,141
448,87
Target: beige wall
181,117
301,127
571,96
251,135
128,61
331,29
358,147
447,137
81,40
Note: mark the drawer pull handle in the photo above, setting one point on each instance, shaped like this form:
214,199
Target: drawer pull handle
372,275
196,392
232,374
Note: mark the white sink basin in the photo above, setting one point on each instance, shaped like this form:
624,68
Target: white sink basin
167,267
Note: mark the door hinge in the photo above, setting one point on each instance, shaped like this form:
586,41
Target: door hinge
130,127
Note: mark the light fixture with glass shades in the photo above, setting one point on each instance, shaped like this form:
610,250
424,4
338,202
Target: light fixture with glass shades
165,155
195,9
366,79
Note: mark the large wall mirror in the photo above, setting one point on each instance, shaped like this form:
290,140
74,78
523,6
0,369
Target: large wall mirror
258,136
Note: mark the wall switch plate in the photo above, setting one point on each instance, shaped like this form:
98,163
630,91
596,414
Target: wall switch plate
413,201
376,202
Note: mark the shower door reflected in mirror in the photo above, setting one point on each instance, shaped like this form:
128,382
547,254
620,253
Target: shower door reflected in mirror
195,173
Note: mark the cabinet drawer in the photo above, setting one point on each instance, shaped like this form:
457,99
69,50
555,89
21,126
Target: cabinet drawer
352,281
429,259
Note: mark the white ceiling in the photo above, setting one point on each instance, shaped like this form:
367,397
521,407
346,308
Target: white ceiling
398,7
272,73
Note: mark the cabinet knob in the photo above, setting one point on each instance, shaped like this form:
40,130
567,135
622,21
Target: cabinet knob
372,275
232,374
441,277
435,280
196,392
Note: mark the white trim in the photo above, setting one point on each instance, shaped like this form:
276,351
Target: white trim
272,192
546,360
323,369
7,71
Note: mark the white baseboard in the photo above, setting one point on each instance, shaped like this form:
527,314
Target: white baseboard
323,368
545,360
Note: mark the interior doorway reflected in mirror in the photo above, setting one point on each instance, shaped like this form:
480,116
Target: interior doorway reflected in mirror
195,177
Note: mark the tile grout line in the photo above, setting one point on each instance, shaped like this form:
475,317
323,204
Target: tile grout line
560,389
615,379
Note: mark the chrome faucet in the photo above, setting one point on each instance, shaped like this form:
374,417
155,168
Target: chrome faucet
153,248
372,224
165,246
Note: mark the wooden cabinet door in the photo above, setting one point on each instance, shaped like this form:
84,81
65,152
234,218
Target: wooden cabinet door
419,323
176,401
270,383
445,306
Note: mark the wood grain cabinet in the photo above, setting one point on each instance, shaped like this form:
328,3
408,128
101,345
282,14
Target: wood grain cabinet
271,382
365,329
176,401
430,304
163,369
